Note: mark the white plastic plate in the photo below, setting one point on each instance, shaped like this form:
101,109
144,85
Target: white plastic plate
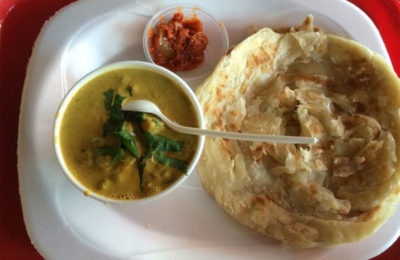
187,224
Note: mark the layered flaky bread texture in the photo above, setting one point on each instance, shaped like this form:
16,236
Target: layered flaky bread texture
304,83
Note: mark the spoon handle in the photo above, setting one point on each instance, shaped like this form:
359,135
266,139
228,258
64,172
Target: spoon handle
241,136
149,107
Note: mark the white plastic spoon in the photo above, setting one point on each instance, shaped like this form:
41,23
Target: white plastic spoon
149,107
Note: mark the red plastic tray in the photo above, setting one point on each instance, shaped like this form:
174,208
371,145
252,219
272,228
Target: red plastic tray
20,23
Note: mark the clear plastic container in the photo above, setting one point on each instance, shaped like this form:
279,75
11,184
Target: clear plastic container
218,41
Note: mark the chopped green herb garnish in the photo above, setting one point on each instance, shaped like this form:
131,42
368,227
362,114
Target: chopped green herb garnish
115,127
128,141
129,88
158,144
134,116
115,152
162,143
157,122
114,123
141,166
173,162
108,98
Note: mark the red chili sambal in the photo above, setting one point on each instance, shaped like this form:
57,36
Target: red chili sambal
179,44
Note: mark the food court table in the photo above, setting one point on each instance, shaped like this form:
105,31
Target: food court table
20,23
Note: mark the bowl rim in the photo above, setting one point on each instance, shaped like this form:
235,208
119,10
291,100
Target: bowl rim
116,66
195,8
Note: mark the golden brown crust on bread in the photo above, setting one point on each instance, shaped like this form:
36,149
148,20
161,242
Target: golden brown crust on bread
311,84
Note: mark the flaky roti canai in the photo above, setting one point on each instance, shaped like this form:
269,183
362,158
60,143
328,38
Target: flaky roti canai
304,83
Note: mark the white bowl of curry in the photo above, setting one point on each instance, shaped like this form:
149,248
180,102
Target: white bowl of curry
122,156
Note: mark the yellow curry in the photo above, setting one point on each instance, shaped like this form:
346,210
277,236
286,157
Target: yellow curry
127,155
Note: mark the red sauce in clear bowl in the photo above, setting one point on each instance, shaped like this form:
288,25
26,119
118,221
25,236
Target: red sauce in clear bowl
178,45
